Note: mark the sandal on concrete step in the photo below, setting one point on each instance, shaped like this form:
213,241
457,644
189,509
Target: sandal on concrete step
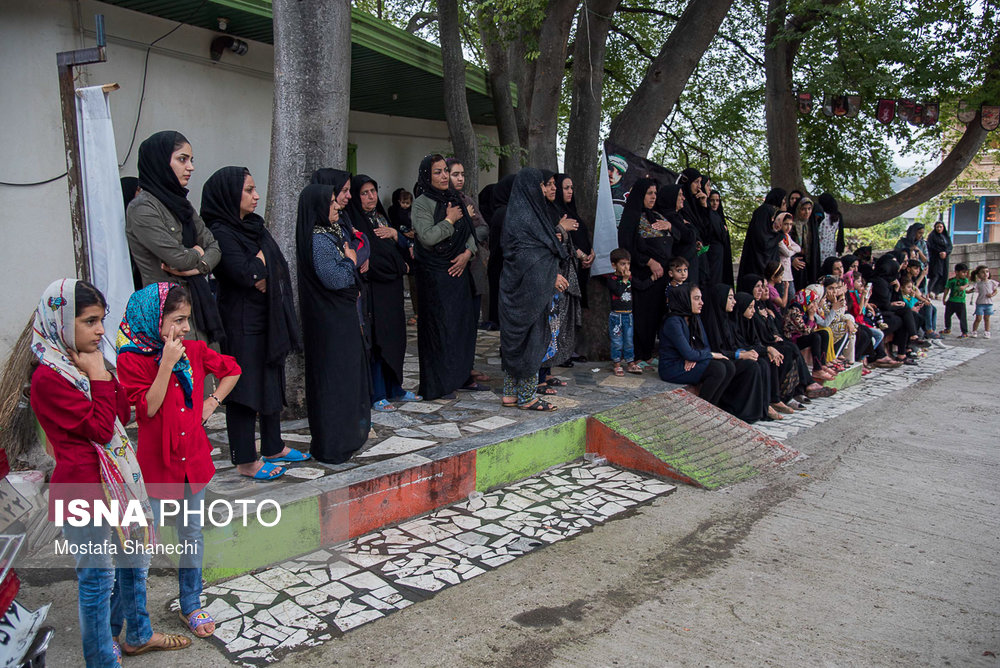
196,620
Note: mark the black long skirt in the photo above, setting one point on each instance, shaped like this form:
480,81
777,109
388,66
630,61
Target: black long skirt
648,309
746,397
446,331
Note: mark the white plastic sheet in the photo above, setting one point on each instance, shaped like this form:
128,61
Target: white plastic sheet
110,269
605,225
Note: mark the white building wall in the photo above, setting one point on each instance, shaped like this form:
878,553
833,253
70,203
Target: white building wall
223,108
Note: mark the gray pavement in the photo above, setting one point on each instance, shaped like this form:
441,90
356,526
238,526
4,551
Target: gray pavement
880,549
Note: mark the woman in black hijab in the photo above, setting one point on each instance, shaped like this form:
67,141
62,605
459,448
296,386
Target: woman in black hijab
446,329
399,217
938,250
761,243
530,287
649,239
500,196
720,249
747,396
685,354
255,302
568,308
384,280
336,364
696,212
566,204
167,238
341,182
902,326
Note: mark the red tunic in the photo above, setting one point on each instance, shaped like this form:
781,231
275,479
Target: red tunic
173,446
72,423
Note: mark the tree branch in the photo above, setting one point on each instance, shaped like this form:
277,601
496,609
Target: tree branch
634,42
420,20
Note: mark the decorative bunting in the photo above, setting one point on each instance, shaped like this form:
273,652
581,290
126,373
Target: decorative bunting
805,103
918,115
965,114
828,105
853,105
932,110
906,109
839,105
990,117
886,111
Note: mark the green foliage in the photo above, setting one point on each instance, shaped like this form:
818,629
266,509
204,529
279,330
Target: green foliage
880,237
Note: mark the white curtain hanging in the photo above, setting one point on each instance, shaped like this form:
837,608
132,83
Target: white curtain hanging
605,225
110,269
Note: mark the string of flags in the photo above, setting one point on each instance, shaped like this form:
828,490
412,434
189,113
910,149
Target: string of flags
925,113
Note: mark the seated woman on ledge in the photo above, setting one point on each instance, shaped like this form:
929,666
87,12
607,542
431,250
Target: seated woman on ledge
685,355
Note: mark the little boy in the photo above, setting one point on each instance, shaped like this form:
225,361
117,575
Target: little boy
677,270
954,299
620,317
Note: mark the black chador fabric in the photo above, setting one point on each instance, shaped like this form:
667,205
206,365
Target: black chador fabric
684,232
696,214
937,243
337,371
761,243
794,372
261,327
636,234
384,278
531,257
446,328
158,179
580,236
328,176
485,199
720,251
500,195
399,217
130,186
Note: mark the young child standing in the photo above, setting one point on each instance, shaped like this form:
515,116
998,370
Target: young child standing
82,408
985,289
954,299
677,271
620,317
164,376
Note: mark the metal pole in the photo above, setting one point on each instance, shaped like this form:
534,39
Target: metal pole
66,61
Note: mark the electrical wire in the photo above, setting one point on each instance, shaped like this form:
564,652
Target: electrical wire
36,183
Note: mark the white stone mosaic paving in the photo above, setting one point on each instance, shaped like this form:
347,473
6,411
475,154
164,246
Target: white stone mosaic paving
877,384
306,601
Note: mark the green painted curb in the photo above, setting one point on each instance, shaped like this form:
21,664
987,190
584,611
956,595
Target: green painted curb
527,455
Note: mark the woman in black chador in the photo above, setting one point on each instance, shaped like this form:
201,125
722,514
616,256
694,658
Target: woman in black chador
336,363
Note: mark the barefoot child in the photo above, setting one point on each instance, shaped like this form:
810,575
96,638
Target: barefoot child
82,409
164,376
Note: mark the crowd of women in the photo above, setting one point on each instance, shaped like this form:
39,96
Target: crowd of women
517,257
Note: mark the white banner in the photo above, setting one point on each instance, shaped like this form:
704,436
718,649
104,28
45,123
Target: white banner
605,223
110,270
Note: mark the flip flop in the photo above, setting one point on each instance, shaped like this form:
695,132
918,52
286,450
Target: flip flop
267,472
171,642
383,406
539,405
292,456
196,620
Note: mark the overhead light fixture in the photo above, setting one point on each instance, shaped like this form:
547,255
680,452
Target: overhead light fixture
226,43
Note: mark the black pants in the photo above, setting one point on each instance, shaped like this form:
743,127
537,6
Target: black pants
716,379
956,308
817,342
863,344
648,309
240,423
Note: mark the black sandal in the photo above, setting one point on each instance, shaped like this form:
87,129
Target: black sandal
555,382
545,389
539,405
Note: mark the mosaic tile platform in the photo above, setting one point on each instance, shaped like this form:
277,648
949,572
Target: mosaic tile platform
877,384
312,599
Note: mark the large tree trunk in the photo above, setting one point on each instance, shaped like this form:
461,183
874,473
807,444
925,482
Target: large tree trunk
503,100
933,184
456,106
524,79
592,26
635,127
550,69
312,95
780,111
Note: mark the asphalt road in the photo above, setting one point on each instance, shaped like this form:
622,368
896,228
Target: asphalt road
883,548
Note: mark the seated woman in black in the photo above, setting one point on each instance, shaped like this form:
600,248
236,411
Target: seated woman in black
685,356
746,397
902,327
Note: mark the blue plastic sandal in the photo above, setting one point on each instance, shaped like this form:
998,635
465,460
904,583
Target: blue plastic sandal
408,396
292,456
383,406
267,472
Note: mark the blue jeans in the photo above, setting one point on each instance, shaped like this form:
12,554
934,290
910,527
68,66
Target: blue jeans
929,313
877,335
620,333
385,385
108,596
188,534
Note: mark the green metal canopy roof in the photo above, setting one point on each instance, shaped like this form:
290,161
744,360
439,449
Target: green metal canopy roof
403,74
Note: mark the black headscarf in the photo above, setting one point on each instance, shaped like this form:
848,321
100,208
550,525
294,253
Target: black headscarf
130,185
386,261
775,197
827,268
847,260
220,206
679,304
328,176
747,282
531,254
761,243
442,254
720,327
158,179
887,267
829,205
398,216
666,200
501,191
314,211
580,236
747,331
485,200
634,203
